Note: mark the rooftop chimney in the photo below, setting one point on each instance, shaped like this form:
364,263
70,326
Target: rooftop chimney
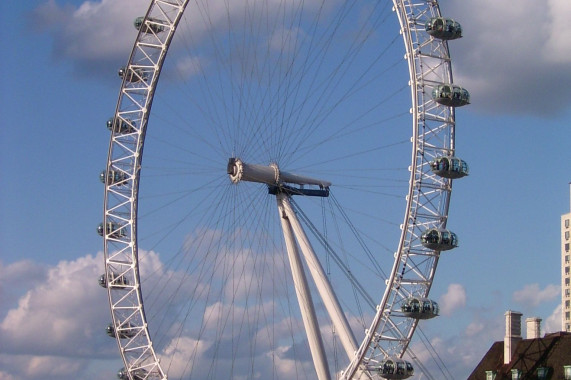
533,327
513,334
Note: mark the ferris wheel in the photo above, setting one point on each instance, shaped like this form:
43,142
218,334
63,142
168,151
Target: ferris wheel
286,221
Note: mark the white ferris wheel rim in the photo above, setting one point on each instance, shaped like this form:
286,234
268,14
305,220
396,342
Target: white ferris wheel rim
120,214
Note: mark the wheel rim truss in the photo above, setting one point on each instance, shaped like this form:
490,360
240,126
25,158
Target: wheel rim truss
429,195
124,157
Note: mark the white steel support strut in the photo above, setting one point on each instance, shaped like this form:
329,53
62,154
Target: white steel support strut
304,296
295,238
321,282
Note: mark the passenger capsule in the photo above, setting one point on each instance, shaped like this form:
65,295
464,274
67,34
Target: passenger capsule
114,177
451,95
132,75
114,279
449,167
123,332
137,374
395,368
439,240
120,126
443,28
419,308
152,26
112,229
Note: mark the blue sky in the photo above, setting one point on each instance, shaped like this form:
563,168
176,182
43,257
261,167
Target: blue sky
60,86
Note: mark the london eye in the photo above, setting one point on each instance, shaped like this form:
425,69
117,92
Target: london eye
290,208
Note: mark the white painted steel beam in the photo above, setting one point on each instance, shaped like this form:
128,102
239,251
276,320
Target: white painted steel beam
322,283
303,295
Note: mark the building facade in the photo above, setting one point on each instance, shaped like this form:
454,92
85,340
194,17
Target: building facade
566,269
532,358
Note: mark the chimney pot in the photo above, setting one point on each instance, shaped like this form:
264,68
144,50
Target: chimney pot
513,334
533,327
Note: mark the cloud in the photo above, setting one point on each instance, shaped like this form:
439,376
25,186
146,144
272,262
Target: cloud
513,60
558,46
454,299
474,328
40,367
96,37
531,295
15,279
553,322
55,326
54,315
482,328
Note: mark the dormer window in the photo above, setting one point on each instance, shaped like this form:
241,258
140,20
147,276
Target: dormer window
490,375
542,373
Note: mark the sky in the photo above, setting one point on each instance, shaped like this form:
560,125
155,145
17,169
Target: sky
60,86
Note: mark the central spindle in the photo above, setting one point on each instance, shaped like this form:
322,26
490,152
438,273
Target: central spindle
270,174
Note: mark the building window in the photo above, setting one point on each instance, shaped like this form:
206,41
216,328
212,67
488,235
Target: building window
567,281
542,373
516,374
566,270
490,375
567,292
567,304
566,235
566,259
567,372
566,223
566,315
566,247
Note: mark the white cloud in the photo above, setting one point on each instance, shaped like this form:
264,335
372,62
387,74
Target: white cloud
15,279
558,46
6,376
531,295
553,322
455,298
55,327
63,314
474,328
95,35
189,66
183,354
483,328
513,59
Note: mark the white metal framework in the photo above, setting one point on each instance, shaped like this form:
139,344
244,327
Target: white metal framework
387,331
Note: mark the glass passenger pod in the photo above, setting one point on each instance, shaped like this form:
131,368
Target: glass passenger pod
111,229
113,177
443,28
123,333
152,26
450,95
395,368
113,279
132,75
419,308
439,240
449,167
120,126
136,374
